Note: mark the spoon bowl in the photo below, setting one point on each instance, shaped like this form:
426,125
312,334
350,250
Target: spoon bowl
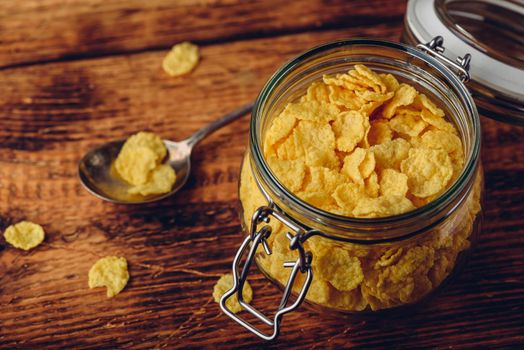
98,175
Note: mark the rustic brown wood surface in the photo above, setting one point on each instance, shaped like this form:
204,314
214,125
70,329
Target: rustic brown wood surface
78,73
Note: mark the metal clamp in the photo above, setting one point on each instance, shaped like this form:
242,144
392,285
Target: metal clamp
435,48
302,265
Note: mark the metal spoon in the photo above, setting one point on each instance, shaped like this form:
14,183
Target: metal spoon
97,174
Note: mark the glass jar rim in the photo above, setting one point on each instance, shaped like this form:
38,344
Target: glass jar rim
440,202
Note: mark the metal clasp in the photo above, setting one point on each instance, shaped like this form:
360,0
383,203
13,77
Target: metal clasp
302,265
461,66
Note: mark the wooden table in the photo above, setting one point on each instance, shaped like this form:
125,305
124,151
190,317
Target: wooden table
74,74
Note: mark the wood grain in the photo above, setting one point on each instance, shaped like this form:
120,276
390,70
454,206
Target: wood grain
42,30
50,114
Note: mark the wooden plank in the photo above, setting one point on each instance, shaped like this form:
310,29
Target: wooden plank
43,30
50,114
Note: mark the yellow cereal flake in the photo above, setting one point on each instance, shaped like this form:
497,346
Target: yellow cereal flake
359,165
290,149
438,139
319,199
447,141
161,181
149,140
387,205
368,78
317,91
347,196
342,271
379,132
352,300
136,164
390,82
343,97
370,107
389,257
391,153
319,291
408,125
428,171
401,282
320,112
281,127
110,272
139,164
422,101
24,235
139,156
408,111
181,60
393,182
318,142
371,185
290,172
404,96
436,121
347,81
223,285
374,96
349,128
324,180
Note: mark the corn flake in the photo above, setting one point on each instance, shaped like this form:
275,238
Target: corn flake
318,142
324,180
319,112
379,132
349,128
317,91
436,121
390,82
406,124
319,291
404,96
428,171
387,205
181,60
342,271
289,172
224,284
359,165
423,102
24,235
371,185
393,182
139,155
281,127
368,78
347,196
343,97
161,181
110,272
391,153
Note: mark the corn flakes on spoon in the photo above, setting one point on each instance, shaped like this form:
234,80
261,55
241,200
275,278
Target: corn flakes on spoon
97,172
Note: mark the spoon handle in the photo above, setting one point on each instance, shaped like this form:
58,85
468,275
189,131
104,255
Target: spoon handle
228,118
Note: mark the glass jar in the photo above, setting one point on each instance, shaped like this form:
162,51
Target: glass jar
346,264
491,32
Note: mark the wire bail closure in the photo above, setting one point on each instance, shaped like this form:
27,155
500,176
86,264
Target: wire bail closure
302,265
436,48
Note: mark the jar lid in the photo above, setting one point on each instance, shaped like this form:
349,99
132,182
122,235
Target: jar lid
492,32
